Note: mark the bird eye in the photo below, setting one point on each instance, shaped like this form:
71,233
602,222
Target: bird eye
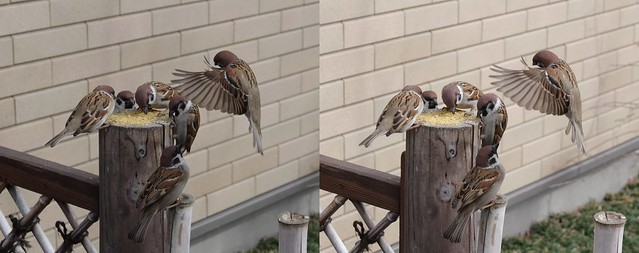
175,161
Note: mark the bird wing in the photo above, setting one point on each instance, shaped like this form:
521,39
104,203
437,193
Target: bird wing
476,183
406,108
532,88
473,92
90,111
192,128
162,181
166,91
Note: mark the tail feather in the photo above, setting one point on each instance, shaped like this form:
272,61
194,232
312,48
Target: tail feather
454,232
367,142
57,138
257,136
138,233
577,136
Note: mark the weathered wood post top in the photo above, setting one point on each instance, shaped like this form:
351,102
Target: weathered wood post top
438,155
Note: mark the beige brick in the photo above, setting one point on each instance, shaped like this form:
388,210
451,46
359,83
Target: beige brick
431,17
280,89
515,113
311,36
25,77
386,26
332,95
515,5
213,133
90,166
367,160
163,71
337,10
257,26
594,107
218,9
45,102
617,39
230,150
599,143
72,11
438,66
309,164
448,39
150,50
123,80
388,159
199,210
511,159
472,10
78,146
629,15
602,23
86,64
120,29
503,26
521,177
540,148
59,121
353,139
300,17
526,43
582,49
274,5
299,105
479,56
94,143
617,4
626,94
254,164
299,147
346,63
590,128
566,32
7,112
359,115
522,134
373,84
589,88
210,181
472,77
559,160
615,79
266,70
581,8
547,15
310,79
332,147
128,6
299,61
611,118
17,18
270,116
241,191
6,50
309,122
276,177
600,64
281,133
280,44
402,50
179,18
50,42
628,55
331,37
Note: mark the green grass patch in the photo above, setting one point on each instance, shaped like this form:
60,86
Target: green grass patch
270,244
573,232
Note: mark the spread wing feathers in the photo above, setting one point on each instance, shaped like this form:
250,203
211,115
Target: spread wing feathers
473,189
532,89
163,180
91,109
212,90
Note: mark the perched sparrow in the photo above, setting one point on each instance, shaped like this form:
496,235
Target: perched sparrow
231,88
124,101
461,95
185,119
154,94
478,190
89,115
161,190
399,114
430,100
494,118
551,88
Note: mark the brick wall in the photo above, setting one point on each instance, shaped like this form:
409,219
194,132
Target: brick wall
369,50
53,52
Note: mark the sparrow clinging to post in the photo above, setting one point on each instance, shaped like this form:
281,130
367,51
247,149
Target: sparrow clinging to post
185,120
549,88
230,87
491,110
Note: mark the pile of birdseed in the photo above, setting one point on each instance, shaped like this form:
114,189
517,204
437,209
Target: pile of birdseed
445,118
138,118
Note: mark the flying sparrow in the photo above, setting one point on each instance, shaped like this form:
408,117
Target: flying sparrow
478,190
124,101
550,88
155,95
89,115
230,88
494,118
461,95
161,190
185,120
399,114
430,100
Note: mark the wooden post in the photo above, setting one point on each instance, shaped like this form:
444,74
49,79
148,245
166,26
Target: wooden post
292,233
128,156
436,160
491,226
609,232
181,227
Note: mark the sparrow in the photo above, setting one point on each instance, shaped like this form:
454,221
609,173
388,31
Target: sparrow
461,95
550,88
161,190
430,100
185,121
494,118
478,190
231,88
124,101
155,95
89,115
399,114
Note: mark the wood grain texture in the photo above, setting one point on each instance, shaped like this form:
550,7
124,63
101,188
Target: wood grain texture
436,161
128,156
63,183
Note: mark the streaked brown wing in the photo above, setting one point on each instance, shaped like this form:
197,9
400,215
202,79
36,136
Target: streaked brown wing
407,109
472,189
192,128
211,89
501,124
159,184
94,107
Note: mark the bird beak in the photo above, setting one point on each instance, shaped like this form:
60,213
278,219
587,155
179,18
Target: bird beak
479,113
145,109
453,109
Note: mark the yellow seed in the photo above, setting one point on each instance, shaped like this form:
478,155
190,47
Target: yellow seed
138,118
445,118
